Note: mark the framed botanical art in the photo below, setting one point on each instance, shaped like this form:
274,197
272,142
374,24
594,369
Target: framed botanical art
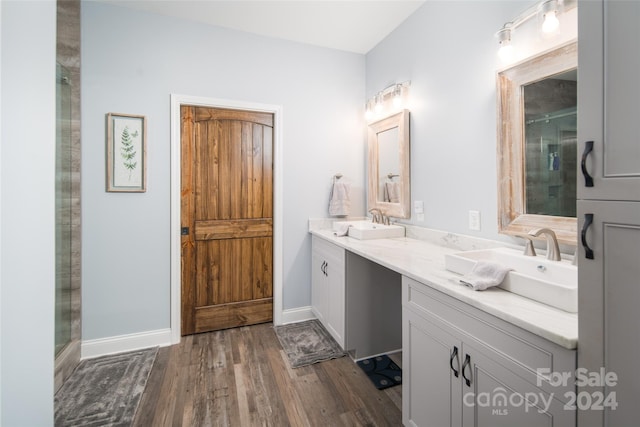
126,153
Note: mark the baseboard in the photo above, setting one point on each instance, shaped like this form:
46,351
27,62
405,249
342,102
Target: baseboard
122,343
162,337
299,314
65,362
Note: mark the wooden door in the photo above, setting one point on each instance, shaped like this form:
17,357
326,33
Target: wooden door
226,218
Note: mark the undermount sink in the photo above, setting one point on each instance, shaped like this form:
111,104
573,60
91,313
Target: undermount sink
554,283
366,230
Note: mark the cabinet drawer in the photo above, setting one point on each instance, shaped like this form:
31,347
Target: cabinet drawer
329,251
524,352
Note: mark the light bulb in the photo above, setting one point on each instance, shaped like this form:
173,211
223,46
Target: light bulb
378,107
368,114
550,23
397,96
506,51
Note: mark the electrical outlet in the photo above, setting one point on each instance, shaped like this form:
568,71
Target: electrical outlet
474,220
418,208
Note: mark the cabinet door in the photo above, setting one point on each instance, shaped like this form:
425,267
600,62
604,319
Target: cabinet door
328,286
493,396
319,289
430,388
610,293
609,98
335,315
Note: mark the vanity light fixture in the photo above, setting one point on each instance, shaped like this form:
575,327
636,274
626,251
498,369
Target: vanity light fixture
390,98
547,12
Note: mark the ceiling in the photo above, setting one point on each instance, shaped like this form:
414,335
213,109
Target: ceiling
350,25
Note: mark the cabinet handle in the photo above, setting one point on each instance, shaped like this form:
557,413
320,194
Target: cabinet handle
588,148
326,265
467,362
322,267
454,354
588,219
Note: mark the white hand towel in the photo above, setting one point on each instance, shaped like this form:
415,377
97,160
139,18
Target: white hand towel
339,200
485,274
342,231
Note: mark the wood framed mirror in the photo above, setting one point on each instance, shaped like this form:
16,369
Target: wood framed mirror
537,144
388,173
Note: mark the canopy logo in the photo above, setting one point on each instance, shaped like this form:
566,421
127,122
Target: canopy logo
501,402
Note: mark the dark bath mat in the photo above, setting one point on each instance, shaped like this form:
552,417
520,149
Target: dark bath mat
307,342
104,391
382,371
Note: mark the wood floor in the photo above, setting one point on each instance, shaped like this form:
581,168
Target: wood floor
241,377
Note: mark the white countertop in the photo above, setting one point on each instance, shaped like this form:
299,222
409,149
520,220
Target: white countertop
424,261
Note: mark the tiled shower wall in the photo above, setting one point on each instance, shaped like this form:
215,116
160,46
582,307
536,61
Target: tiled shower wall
68,55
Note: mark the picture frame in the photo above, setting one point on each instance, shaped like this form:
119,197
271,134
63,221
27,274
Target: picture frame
126,153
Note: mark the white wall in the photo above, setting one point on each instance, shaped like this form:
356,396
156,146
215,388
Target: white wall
132,62
448,50
27,200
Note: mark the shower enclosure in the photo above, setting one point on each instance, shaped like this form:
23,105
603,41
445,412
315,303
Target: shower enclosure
551,148
68,218
63,210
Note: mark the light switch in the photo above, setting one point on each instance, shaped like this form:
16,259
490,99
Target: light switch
418,206
474,220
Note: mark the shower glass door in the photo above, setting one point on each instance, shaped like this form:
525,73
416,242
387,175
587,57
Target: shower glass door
63,209
551,163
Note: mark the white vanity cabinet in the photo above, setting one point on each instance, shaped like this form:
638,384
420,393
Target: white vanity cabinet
328,286
609,296
609,207
464,367
609,99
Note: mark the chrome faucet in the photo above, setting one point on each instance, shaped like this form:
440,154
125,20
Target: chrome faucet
529,250
378,217
553,251
375,215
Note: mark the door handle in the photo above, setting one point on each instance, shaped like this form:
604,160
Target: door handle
454,354
588,148
467,362
588,220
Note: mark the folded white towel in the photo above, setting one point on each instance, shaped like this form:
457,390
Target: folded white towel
339,200
343,230
485,274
